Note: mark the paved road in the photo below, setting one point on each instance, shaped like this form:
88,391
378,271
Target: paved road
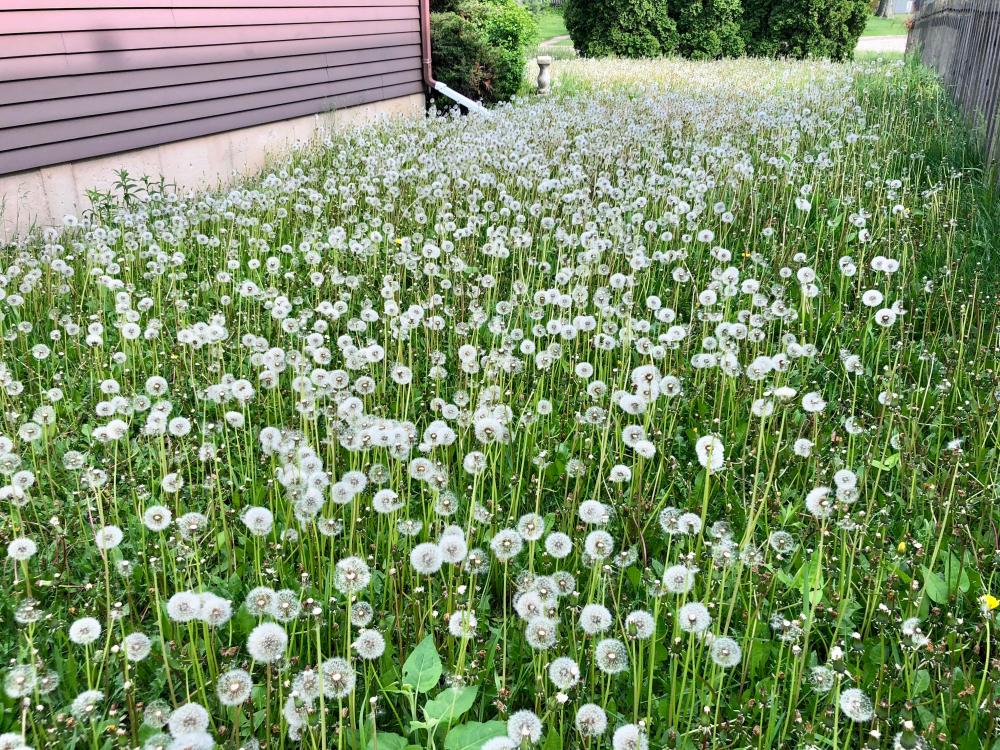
554,41
882,43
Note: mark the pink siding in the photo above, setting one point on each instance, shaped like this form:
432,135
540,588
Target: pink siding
84,78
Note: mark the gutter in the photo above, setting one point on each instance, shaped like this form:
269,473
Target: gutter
425,47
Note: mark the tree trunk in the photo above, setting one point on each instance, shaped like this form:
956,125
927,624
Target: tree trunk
885,9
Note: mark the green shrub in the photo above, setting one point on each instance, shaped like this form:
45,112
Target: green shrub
804,28
505,23
708,29
626,28
480,48
459,55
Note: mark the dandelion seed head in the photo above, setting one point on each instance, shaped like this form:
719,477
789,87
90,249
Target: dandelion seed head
267,642
524,727
855,705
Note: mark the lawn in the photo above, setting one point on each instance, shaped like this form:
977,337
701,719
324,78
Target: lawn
886,26
658,412
550,24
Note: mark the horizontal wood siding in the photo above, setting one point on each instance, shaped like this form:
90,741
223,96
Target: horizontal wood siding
85,78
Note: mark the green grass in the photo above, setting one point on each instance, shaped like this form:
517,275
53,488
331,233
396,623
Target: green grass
895,26
879,55
634,320
550,24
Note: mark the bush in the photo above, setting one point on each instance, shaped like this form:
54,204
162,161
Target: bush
626,28
504,23
708,29
804,28
479,47
459,55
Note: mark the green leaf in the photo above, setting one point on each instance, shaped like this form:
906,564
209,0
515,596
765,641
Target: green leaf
472,734
921,681
553,741
935,586
786,579
450,703
422,668
386,741
955,575
889,463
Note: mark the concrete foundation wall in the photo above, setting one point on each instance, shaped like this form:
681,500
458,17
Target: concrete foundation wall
44,196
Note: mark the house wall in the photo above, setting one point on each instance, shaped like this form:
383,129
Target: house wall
46,195
86,79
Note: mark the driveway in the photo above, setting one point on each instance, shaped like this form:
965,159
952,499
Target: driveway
882,43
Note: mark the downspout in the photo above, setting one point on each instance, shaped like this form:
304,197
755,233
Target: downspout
425,47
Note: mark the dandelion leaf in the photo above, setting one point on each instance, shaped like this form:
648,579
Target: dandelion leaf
422,668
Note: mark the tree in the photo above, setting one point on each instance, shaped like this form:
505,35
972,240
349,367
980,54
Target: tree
626,28
885,9
708,29
804,28
479,46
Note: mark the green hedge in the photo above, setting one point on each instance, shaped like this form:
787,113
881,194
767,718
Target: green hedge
626,28
479,47
804,28
709,29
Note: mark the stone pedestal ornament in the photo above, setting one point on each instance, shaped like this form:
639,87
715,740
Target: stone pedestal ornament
544,74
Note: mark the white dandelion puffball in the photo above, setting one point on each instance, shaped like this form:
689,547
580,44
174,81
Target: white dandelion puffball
524,727
693,617
108,537
564,673
558,545
591,720
351,575
188,718
267,642
818,502
813,402
725,652
630,737
710,452
339,678
427,558
855,705
157,517
259,521
611,656
462,624
137,646
369,644
184,606
21,549
640,624
85,631
678,579
234,687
